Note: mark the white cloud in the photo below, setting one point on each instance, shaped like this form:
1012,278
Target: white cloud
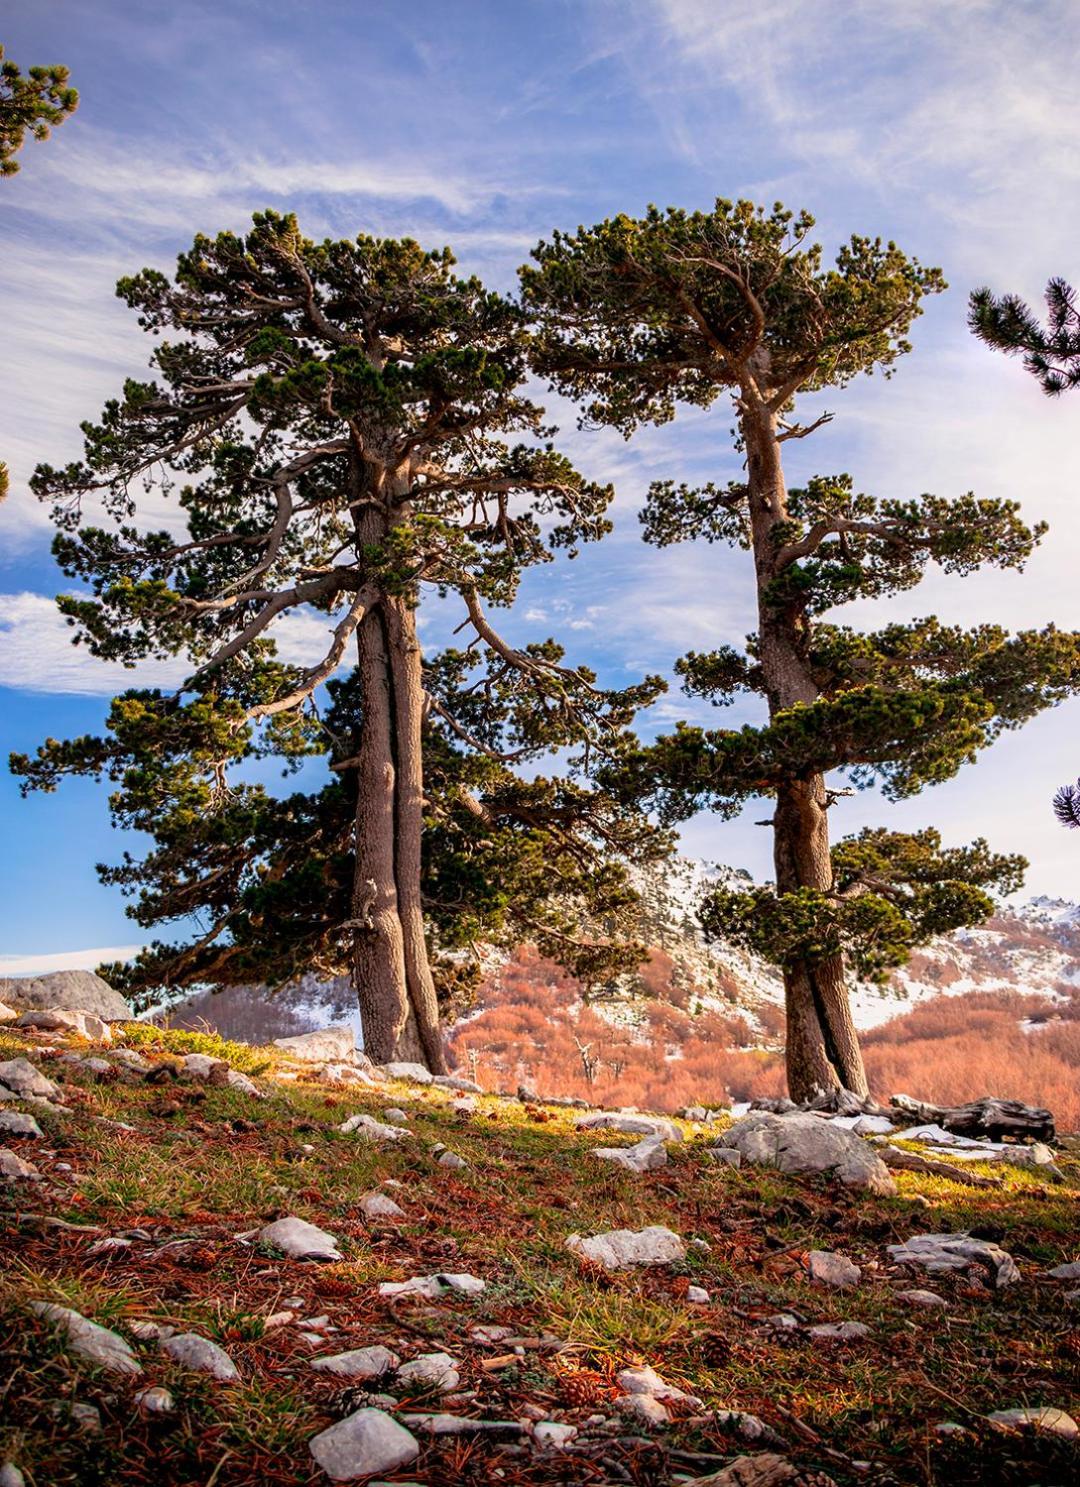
65,960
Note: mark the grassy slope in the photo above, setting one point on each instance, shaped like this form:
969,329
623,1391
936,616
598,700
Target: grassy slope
206,1164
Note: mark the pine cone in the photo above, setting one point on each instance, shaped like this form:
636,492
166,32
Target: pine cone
197,1257
715,1350
335,1285
583,1387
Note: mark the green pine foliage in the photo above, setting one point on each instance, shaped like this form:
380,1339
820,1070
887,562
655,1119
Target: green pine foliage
31,103
1051,352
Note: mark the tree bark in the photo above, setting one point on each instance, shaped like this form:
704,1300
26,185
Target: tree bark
822,1045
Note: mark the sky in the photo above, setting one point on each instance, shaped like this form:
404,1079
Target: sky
949,128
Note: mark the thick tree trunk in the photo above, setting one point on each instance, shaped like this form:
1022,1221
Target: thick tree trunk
392,978
822,1045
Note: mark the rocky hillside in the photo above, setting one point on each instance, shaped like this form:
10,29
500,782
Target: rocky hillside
221,1264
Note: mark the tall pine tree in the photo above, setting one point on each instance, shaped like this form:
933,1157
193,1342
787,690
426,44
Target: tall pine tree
636,316
328,429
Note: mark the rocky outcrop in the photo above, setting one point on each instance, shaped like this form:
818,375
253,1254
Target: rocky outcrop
73,991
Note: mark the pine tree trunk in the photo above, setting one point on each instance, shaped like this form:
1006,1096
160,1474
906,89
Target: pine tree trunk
822,1045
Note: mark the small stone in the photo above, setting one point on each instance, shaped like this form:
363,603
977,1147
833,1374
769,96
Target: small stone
950,1427
551,1435
14,1169
489,1335
156,1400
65,1019
782,1321
235,1080
644,1380
452,1160
416,1073
945,1252
149,1331
337,1044
317,1324
1071,1271
201,1067
921,1298
631,1125
395,1117
201,1355
698,1296
10,1475
619,1248
376,1206
85,1417
431,1371
827,1268
301,1240
370,1129
15,1123
362,1444
7,1014
109,1245
645,1409
278,1319
85,1338
464,1107
1051,1421
727,1155
648,1155
458,1081
360,1363
839,1331
20,1076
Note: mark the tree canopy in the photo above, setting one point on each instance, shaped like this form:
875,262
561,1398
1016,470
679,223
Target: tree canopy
33,103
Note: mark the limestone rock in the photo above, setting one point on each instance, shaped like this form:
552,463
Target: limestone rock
21,1077
155,1401
327,1045
763,1469
416,1073
649,1154
459,1082
827,1268
363,1444
11,1476
301,1240
1052,1421
806,1143
940,1253
921,1298
370,1129
698,1296
452,1160
1071,1271
630,1125
431,1371
79,991
96,1344
360,1363
235,1080
14,1169
839,1331
619,1248
395,1117
727,1155
204,1069
201,1355
551,1435
431,1287
67,1019
14,1123
8,1014
376,1206
642,1379
644,1409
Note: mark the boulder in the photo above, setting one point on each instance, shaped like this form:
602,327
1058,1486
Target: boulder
619,1248
940,1253
327,1045
807,1143
67,1020
108,1350
74,991
362,1445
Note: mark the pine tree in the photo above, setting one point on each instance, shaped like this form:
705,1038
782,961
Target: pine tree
635,317
328,427
1052,352
33,103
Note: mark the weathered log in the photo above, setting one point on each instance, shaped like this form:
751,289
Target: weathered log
988,1117
908,1161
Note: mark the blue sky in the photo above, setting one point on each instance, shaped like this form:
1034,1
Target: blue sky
484,124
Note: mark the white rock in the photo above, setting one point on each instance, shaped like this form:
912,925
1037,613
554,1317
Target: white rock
644,1380
1052,1421
370,1129
551,1435
839,1331
7,1014
619,1248
921,1298
452,1160
85,1338
327,1045
489,1334
64,1019
458,1081
300,1239
727,1155
782,1321
630,1125
149,1331
376,1206
360,1363
202,1067
1070,1271
806,1143
109,1245
697,1296
11,1476
865,1125
431,1371
827,1268
395,1117
236,1080
466,1106
649,1154
156,1400
20,1076
416,1073
644,1409
14,1169
939,1253
129,1059
347,1074
201,1355
433,1286
363,1444
15,1123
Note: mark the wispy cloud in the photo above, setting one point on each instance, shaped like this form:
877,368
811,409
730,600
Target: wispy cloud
65,960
